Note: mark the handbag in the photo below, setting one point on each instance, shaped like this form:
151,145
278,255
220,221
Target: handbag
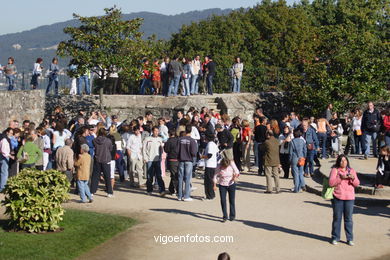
327,191
310,147
24,157
301,161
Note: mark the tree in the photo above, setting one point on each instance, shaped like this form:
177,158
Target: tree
106,44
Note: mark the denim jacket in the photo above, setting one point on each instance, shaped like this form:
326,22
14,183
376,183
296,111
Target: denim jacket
297,148
311,137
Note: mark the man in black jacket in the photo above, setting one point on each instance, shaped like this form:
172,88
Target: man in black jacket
370,127
260,137
225,139
171,147
211,69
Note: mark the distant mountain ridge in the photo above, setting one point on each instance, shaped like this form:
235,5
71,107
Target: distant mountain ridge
28,45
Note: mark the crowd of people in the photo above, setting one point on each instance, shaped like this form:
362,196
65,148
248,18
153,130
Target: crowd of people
92,148
163,77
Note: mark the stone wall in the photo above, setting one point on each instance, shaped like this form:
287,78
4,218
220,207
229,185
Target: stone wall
33,105
21,105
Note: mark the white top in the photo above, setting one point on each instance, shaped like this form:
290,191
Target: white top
46,142
212,149
37,69
163,67
195,133
134,144
356,123
60,139
281,143
163,129
314,125
93,121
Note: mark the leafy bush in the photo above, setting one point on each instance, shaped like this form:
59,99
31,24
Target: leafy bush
33,199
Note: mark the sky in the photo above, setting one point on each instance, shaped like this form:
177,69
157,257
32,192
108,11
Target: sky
28,14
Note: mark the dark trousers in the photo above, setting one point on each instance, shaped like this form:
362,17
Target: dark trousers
24,166
39,167
154,170
342,208
173,167
383,179
232,194
260,156
97,169
120,165
237,154
209,183
285,162
209,82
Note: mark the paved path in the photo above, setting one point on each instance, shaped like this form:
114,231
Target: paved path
276,226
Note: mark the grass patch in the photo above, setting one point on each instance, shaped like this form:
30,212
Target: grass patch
82,232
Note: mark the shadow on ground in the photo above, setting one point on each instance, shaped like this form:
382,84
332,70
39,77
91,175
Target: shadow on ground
254,224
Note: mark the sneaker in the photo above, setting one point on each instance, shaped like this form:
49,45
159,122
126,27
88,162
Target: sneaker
268,192
110,195
224,220
188,199
162,194
148,193
179,199
351,243
365,157
334,242
91,200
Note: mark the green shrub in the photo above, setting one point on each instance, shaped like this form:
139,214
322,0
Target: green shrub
33,199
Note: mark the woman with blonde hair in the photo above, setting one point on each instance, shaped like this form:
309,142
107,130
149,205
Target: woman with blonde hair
275,128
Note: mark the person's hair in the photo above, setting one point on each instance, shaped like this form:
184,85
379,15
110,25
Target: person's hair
54,59
188,129
385,149
206,115
262,119
184,121
223,256
182,133
58,108
289,130
39,60
85,148
60,127
12,59
245,123
338,161
236,121
297,133
275,126
148,113
68,142
270,133
225,163
358,112
102,132
155,127
17,131
136,128
40,130
210,137
140,118
26,122
260,110
29,138
113,129
172,132
6,131
147,128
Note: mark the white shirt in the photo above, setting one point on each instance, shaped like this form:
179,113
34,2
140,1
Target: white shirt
134,144
195,133
356,123
212,149
37,69
163,129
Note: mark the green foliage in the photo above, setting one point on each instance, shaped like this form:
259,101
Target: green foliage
83,231
107,44
33,199
320,52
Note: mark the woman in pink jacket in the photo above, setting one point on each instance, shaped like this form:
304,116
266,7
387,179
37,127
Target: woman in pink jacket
226,175
344,180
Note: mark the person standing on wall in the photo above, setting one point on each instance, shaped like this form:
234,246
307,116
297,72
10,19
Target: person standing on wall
53,76
211,70
10,73
37,71
238,68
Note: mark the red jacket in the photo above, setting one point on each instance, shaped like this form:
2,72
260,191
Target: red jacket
386,123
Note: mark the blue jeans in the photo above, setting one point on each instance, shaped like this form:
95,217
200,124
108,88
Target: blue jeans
236,85
120,165
340,208
232,195
297,171
4,171
209,83
387,140
10,81
144,84
84,190
173,88
187,88
80,80
195,85
322,139
370,137
309,165
185,174
51,79
154,170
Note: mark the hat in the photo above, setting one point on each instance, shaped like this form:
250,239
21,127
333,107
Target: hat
218,126
114,117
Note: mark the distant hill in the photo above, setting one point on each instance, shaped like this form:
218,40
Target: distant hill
26,46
